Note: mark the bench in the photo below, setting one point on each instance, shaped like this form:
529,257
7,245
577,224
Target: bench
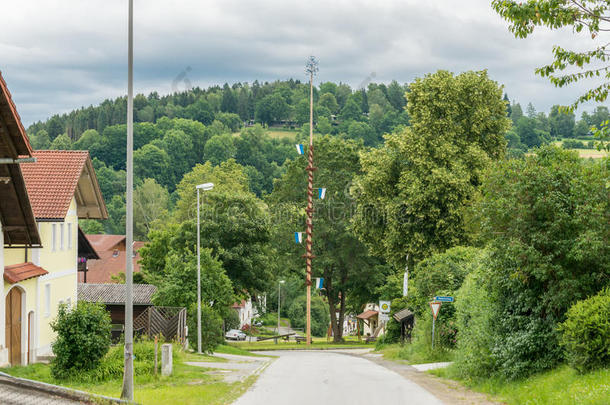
300,339
370,339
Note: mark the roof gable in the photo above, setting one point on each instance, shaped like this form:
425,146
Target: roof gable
56,177
17,142
16,216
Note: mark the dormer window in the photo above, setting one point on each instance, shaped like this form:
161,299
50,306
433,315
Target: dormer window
115,253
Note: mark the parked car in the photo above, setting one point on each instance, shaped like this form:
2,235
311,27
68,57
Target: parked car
258,323
235,334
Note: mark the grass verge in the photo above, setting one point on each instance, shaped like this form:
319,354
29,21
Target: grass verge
562,385
316,344
187,385
414,353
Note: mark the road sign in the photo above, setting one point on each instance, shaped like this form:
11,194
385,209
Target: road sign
436,307
443,299
384,307
384,317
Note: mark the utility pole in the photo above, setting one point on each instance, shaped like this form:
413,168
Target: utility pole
204,187
127,392
311,68
279,296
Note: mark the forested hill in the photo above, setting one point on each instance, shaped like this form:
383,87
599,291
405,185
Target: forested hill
267,103
173,133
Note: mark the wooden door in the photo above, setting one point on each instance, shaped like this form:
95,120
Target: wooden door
13,326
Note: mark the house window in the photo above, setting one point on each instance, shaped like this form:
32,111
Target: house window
115,253
69,236
54,237
61,236
47,300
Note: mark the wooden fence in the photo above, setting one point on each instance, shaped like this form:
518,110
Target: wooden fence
167,321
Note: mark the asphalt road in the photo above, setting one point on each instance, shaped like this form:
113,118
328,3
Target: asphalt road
324,377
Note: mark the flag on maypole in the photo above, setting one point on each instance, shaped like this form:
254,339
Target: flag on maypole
321,193
300,149
298,237
319,283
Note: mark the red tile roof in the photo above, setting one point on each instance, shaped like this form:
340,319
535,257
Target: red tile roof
367,314
19,272
52,180
108,265
103,243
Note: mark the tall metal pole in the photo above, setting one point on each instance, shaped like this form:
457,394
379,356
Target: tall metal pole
198,281
312,68
279,291
127,392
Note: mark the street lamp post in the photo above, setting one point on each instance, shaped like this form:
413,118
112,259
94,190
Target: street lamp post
204,187
279,296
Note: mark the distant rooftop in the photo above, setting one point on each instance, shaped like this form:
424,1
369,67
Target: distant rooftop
115,293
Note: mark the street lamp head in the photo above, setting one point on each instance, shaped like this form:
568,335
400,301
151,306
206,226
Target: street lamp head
282,281
206,186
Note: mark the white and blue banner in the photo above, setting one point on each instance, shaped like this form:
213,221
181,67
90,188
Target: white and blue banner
298,237
300,149
319,283
321,193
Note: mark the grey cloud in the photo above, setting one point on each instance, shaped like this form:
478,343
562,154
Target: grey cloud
60,55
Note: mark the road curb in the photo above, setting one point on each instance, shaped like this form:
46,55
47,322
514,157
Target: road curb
59,391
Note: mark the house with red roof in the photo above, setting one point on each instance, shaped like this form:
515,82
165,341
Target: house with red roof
44,194
109,265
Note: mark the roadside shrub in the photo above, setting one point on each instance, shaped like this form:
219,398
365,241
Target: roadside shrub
211,328
320,319
269,319
586,333
231,319
83,338
475,312
545,222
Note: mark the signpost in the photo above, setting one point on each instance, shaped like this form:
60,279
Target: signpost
384,307
443,299
436,307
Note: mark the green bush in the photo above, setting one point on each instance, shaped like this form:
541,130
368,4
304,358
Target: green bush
320,319
211,328
572,144
269,319
83,338
475,312
586,333
231,319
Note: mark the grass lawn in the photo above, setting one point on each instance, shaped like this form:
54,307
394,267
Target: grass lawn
188,384
282,133
414,354
562,385
277,133
351,342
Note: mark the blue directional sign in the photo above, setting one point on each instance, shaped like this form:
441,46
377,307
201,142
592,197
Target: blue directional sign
444,299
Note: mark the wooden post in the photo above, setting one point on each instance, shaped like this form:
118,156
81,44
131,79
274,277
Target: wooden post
156,353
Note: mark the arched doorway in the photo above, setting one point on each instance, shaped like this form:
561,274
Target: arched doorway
13,325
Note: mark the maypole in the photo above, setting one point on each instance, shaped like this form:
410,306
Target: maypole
311,69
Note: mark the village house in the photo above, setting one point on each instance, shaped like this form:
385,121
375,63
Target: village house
62,188
43,196
17,229
110,264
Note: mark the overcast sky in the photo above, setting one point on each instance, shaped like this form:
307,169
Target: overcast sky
58,55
